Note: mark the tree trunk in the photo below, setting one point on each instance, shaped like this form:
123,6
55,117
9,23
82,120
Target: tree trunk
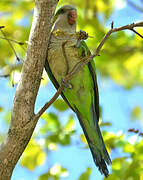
22,118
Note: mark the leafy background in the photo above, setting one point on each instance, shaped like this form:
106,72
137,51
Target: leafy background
58,150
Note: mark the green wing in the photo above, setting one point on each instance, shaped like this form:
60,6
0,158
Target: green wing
55,82
96,144
84,52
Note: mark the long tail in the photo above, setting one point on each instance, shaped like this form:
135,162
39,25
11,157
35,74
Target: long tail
96,145
100,155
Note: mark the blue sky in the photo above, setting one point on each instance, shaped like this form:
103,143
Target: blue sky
116,102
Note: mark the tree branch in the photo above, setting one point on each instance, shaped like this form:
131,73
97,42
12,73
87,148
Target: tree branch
20,131
12,40
85,61
48,104
137,33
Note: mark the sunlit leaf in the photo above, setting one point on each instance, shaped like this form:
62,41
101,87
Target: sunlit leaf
105,124
128,148
51,123
54,173
136,113
85,175
141,177
69,125
1,108
7,117
60,105
83,139
117,163
33,156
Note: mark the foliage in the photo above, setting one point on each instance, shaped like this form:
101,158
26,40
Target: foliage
37,158
85,175
121,60
54,173
55,132
130,166
60,105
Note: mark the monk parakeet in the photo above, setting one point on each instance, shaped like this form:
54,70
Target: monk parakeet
82,94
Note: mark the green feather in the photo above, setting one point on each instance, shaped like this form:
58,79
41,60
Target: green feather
83,49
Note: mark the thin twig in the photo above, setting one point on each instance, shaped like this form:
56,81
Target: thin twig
85,61
46,106
18,59
4,76
137,33
17,42
128,27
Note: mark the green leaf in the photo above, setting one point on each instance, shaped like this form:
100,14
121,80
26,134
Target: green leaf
129,148
85,175
117,163
60,105
33,155
54,173
52,123
69,125
136,113
105,124
7,117
1,108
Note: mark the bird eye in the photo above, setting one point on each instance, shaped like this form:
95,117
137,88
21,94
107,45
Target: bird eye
62,11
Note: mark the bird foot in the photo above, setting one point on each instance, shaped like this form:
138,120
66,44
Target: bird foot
81,35
66,84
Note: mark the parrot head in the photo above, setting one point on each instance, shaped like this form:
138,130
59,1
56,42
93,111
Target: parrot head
66,17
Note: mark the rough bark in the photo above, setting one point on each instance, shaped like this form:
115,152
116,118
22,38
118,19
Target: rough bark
22,118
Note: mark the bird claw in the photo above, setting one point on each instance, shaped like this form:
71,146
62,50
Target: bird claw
81,35
66,84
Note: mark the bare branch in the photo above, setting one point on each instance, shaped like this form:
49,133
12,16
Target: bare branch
12,40
137,33
128,27
112,30
47,105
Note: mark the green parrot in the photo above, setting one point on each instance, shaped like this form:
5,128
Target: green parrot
81,94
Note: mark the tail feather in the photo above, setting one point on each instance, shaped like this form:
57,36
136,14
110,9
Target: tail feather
100,156
99,152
